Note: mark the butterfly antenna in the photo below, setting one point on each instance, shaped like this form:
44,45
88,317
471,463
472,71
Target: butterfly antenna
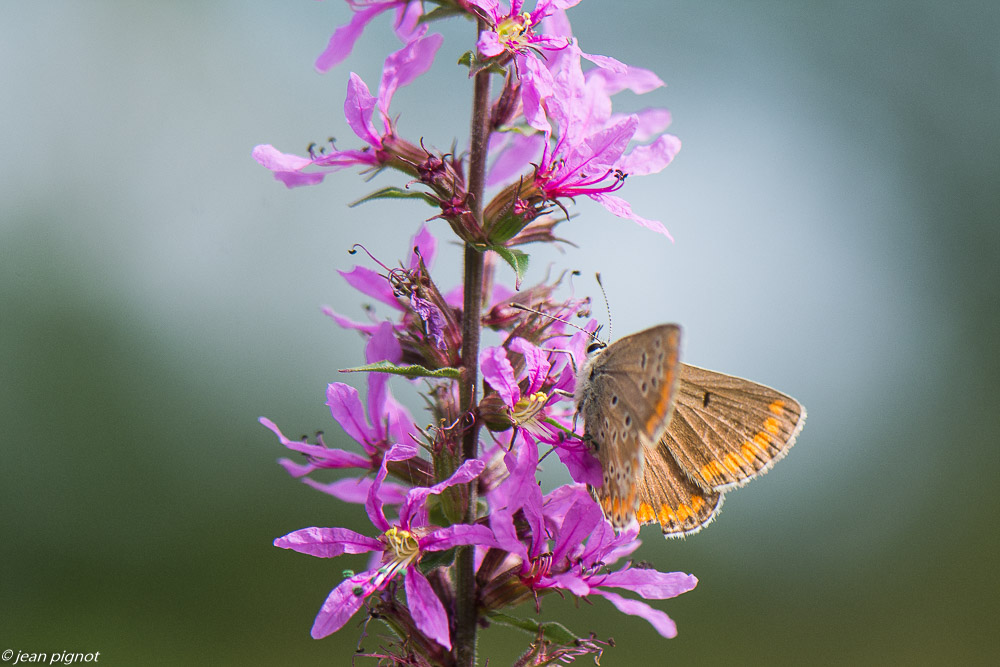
607,307
593,336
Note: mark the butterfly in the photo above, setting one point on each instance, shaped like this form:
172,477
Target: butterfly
673,438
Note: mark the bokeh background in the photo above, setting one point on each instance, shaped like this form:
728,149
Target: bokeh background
835,209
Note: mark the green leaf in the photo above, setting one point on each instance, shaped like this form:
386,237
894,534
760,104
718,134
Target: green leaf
411,371
467,59
518,260
392,192
554,632
506,227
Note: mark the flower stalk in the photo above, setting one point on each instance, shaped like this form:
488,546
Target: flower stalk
465,574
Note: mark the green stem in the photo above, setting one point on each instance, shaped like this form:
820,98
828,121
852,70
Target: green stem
466,620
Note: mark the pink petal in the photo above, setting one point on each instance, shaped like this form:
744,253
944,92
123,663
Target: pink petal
408,26
457,534
651,584
358,109
489,44
579,522
405,65
659,620
535,361
514,157
499,374
328,542
502,524
537,85
356,490
296,469
582,465
325,457
371,283
650,159
348,323
287,167
614,79
345,406
373,505
413,510
425,608
605,147
606,63
652,122
622,209
424,241
342,603
343,39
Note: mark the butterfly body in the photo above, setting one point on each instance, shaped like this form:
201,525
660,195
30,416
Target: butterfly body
672,438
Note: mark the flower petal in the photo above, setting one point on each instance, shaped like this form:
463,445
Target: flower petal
358,108
328,542
651,584
498,372
345,406
579,522
356,490
321,457
347,323
622,209
659,620
458,534
374,503
425,608
342,603
425,242
650,159
405,65
413,511
343,39
372,284
536,363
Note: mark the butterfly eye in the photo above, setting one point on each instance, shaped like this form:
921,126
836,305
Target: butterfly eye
595,346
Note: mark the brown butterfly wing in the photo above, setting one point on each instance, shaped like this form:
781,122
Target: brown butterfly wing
667,496
626,395
726,431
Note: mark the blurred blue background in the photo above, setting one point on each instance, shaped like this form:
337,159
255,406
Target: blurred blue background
835,209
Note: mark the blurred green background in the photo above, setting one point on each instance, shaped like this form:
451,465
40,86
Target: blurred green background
835,209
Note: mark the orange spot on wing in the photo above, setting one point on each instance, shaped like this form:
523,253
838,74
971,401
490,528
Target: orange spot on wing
762,439
697,502
683,512
734,462
645,513
712,471
777,407
666,515
771,425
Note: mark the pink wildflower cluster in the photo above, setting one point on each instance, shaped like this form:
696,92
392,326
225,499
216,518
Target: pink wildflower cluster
552,136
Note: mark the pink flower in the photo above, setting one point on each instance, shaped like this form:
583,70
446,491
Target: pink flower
387,423
533,410
584,547
400,69
590,155
401,546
